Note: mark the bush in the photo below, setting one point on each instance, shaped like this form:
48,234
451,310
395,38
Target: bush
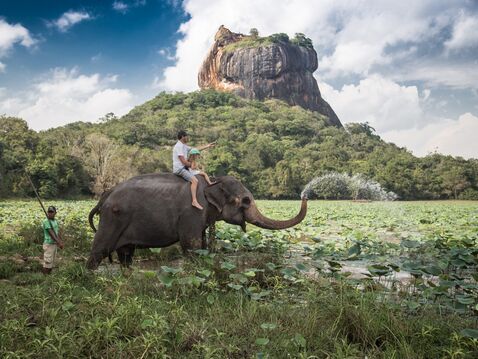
32,233
301,40
16,245
254,33
77,235
280,37
7,269
469,194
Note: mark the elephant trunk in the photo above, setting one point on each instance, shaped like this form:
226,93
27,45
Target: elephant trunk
255,217
96,257
93,261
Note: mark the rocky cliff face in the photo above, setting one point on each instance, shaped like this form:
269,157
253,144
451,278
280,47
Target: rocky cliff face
279,70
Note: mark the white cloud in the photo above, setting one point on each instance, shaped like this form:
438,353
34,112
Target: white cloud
123,7
12,34
69,19
383,103
451,137
437,73
352,57
426,94
66,96
157,83
174,3
206,17
166,53
9,105
351,38
96,58
120,6
366,33
395,111
2,67
465,33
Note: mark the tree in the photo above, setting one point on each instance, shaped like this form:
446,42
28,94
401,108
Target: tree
110,116
280,37
357,128
106,162
17,147
301,40
454,181
254,33
274,148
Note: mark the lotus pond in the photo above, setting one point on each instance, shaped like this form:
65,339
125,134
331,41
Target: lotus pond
379,279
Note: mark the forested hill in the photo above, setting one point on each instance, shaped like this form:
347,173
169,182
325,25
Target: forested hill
275,149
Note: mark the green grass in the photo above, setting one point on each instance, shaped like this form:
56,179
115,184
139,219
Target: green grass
76,313
252,298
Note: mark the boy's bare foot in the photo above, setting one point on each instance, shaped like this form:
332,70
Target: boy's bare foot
197,205
211,183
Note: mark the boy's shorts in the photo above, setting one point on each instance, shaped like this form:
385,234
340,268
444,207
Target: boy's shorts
49,254
184,173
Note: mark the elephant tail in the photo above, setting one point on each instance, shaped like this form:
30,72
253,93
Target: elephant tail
96,209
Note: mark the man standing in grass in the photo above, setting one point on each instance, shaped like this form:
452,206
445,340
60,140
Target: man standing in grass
51,240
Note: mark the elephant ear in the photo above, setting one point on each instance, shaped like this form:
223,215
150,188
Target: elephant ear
216,196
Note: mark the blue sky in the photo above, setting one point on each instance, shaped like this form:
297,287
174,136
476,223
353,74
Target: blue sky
409,68
124,42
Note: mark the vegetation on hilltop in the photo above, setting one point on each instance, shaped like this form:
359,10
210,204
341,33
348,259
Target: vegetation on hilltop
254,40
274,148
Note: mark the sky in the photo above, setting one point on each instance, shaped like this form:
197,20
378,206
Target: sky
409,68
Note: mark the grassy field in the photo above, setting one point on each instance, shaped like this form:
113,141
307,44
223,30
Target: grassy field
353,280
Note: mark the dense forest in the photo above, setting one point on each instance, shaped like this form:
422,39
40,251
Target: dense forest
275,149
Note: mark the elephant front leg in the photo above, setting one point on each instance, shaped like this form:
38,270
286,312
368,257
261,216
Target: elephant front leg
212,237
125,255
208,241
190,240
203,240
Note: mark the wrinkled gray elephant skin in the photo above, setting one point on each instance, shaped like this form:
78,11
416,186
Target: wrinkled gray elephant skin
154,210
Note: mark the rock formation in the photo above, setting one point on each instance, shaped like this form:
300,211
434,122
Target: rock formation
261,70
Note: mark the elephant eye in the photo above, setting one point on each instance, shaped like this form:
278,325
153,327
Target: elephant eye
246,202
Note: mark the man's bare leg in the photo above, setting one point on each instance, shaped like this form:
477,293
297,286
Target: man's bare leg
194,187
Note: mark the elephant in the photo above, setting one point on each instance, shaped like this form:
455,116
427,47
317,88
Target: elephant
154,210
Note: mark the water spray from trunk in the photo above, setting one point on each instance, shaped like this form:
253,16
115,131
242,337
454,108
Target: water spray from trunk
308,190
335,185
